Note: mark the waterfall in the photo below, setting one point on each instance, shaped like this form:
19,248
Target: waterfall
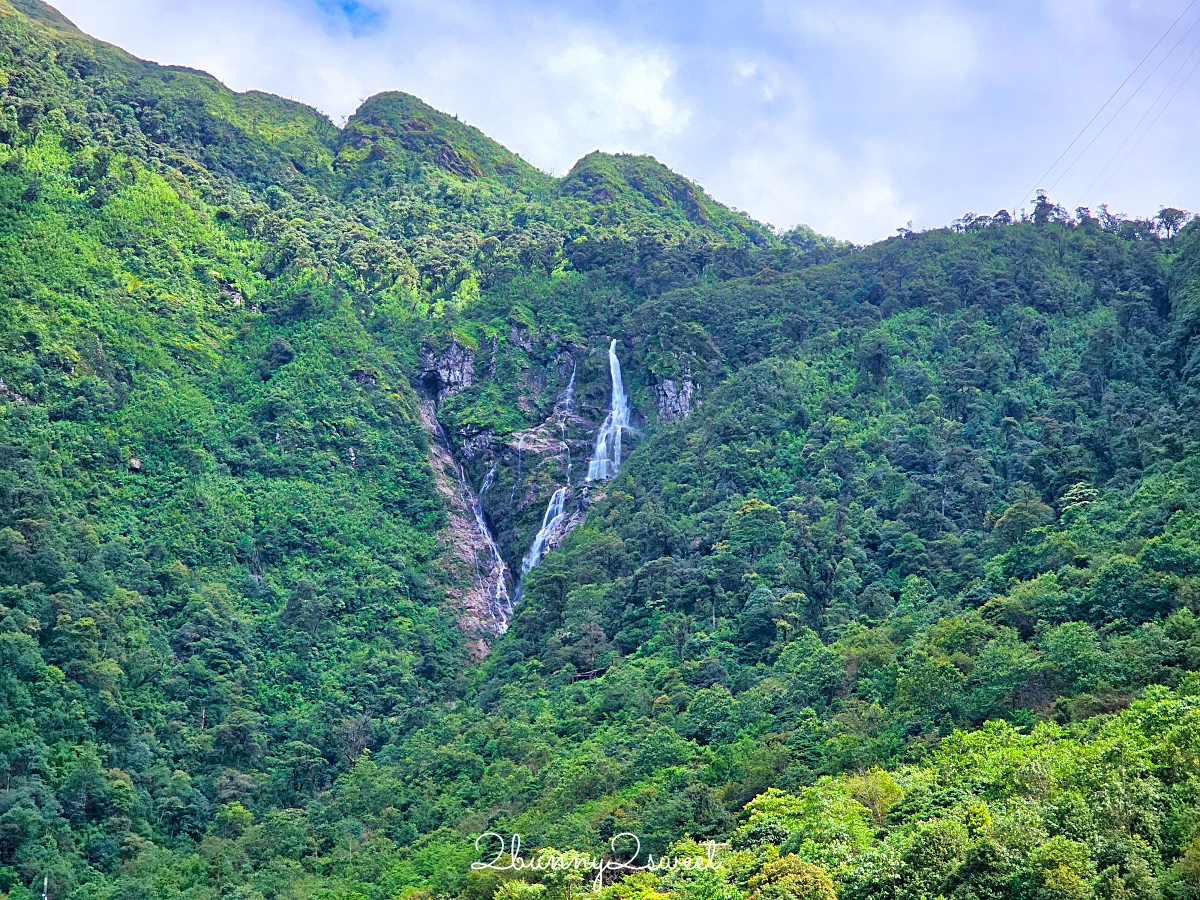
492,576
551,521
567,398
606,459
487,481
501,602
567,450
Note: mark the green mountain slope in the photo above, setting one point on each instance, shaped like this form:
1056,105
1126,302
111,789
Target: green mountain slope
895,593
397,133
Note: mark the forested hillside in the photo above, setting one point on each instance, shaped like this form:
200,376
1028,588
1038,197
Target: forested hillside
895,593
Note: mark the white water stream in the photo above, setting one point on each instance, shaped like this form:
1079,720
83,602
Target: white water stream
550,521
501,601
606,458
605,462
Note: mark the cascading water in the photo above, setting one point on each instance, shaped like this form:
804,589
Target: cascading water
551,520
501,600
487,482
605,462
492,575
567,450
566,399
606,459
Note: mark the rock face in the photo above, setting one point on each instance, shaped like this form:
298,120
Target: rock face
506,493
476,579
520,337
540,461
13,396
476,444
678,395
448,370
675,398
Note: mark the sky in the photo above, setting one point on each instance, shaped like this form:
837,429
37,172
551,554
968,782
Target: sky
854,118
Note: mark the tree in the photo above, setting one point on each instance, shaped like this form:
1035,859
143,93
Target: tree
1061,869
1019,518
986,874
1046,211
877,791
791,878
1171,219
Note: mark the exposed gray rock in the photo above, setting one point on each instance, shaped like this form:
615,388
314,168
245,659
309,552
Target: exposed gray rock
475,577
448,370
9,394
231,293
675,398
521,338
474,444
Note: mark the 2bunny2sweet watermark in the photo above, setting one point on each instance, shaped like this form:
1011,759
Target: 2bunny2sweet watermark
573,860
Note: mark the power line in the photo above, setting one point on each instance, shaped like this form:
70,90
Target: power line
1121,109
1150,128
1138,124
1082,131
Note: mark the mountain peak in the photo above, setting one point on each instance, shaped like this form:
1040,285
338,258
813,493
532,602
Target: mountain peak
41,12
604,177
630,181
395,128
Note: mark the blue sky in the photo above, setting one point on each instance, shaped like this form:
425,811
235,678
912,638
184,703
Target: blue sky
852,117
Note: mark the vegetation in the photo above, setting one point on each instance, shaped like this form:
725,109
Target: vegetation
906,607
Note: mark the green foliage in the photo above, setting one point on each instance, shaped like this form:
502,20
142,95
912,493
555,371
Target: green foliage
905,607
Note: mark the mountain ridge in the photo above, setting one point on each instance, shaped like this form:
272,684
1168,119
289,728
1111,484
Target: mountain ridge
460,146
892,589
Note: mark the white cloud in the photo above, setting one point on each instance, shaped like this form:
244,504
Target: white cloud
548,87
628,90
761,76
916,47
265,45
781,172
555,91
849,115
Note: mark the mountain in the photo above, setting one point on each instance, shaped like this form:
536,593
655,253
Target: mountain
367,489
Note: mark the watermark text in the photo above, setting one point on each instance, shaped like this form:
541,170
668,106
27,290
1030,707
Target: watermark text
508,858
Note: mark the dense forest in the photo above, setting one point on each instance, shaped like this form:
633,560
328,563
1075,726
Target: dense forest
895,594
